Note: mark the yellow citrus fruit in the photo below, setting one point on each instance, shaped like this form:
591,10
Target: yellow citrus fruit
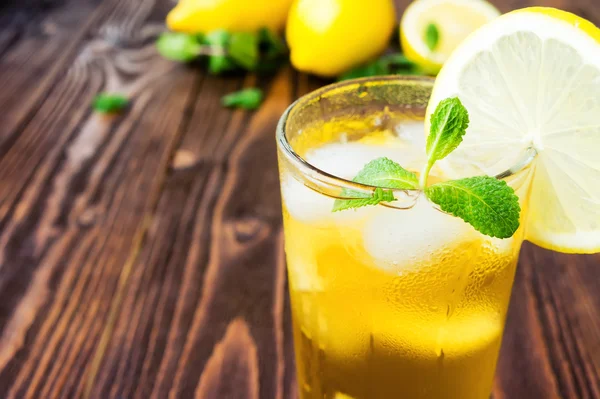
454,21
530,80
203,16
328,37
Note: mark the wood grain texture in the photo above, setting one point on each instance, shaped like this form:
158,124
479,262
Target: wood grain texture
141,255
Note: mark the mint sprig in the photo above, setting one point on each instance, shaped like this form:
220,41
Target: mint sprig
378,196
382,172
250,98
243,49
178,46
107,103
486,203
449,124
388,64
224,51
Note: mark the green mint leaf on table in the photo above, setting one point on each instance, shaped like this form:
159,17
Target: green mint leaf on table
271,43
372,69
398,60
273,51
218,62
486,203
381,172
178,46
200,37
109,103
432,36
389,64
246,99
243,49
398,64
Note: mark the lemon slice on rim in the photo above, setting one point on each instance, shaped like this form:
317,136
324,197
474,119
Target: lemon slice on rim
531,80
454,20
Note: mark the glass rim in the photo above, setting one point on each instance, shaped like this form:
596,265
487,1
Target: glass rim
324,178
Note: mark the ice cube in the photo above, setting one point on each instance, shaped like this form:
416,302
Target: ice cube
303,203
412,132
399,239
345,160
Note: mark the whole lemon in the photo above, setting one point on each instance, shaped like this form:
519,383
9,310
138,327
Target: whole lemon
203,16
328,37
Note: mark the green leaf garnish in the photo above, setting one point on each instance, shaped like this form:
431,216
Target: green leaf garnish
372,69
271,43
263,51
178,46
448,125
486,203
109,103
273,51
379,195
243,49
218,62
381,172
247,99
389,64
432,36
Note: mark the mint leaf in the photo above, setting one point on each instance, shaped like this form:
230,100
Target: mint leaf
243,49
389,64
246,99
449,124
109,103
381,172
432,36
273,51
400,65
271,43
178,46
378,195
375,68
218,62
486,203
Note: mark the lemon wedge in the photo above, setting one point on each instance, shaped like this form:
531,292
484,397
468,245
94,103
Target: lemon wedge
531,82
453,21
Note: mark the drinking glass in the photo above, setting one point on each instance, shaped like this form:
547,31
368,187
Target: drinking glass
398,300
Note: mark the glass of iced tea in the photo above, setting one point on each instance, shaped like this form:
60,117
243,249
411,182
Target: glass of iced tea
398,300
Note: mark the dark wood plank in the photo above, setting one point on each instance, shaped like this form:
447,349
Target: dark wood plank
77,189
210,281
36,39
551,346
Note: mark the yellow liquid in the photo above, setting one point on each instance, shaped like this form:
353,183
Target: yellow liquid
424,323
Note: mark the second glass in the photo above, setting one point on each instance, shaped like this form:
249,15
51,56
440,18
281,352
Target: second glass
387,302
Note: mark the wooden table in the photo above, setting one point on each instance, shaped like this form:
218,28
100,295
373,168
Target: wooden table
141,255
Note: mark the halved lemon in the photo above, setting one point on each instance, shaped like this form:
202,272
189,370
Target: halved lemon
530,80
453,20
